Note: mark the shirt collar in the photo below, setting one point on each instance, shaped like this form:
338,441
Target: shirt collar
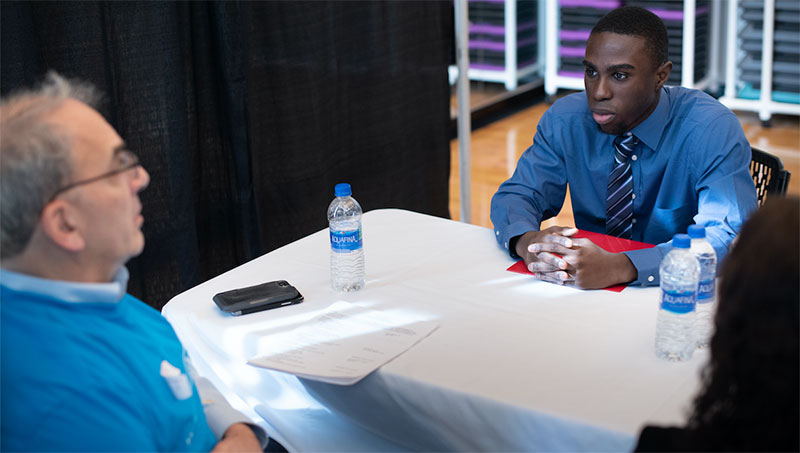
111,292
649,131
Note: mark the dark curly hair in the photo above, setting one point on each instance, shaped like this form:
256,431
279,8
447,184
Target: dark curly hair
750,390
632,20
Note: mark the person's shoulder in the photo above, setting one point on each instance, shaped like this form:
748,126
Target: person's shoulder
567,111
696,106
703,119
147,319
139,308
138,304
25,317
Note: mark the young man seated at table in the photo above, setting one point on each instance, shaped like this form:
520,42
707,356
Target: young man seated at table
642,161
85,366
750,400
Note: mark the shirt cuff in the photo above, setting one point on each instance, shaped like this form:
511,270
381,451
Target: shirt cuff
508,233
647,262
220,415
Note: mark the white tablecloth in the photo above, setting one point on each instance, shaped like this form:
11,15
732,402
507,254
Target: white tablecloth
516,364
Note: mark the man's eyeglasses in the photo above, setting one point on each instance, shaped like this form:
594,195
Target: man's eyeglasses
124,160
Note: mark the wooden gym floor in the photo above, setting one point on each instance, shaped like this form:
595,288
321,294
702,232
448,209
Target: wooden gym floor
496,147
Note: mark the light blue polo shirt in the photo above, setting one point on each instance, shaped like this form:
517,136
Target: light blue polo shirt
81,371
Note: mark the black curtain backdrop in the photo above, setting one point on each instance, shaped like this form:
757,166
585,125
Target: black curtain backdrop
247,114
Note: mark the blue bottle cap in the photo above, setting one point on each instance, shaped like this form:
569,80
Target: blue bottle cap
342,190
697,231
681,241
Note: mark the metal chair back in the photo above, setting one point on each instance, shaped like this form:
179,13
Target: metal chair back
768,174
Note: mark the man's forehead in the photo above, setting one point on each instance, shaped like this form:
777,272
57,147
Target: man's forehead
613,49
82,121
71,111
610,38
93,139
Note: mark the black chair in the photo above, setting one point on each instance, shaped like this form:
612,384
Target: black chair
768,174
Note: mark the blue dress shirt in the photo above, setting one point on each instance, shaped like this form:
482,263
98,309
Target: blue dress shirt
691,166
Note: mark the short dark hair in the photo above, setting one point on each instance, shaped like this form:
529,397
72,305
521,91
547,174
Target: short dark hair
632,20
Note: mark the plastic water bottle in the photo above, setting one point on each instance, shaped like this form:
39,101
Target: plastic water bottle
347,249
679,274
706,290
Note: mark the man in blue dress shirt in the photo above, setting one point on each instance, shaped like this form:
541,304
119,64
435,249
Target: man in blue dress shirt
687,162
86,366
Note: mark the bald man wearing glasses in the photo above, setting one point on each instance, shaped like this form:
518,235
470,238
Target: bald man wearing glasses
86,366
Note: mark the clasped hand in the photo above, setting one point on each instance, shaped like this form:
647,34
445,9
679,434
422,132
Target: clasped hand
553,255
238,438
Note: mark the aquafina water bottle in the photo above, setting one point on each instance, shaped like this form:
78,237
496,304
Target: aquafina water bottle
679,274
707,288
347,249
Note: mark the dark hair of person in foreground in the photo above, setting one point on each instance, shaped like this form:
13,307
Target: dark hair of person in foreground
750,398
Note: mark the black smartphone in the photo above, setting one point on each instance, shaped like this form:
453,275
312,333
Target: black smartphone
251,299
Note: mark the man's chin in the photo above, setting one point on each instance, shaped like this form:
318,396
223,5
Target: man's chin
138,247
611,129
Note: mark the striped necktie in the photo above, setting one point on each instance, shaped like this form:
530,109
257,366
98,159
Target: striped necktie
619,202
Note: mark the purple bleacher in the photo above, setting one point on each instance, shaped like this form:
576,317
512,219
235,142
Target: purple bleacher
574,75
574,35
666,14
500,46
492,67
597,4
572,51
499,29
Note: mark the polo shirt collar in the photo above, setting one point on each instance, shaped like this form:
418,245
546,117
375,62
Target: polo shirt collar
649,131
111,292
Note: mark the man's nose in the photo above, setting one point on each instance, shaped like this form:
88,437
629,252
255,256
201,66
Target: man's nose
601,90
141,179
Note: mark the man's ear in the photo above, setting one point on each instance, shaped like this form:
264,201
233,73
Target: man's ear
59,223
662,74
